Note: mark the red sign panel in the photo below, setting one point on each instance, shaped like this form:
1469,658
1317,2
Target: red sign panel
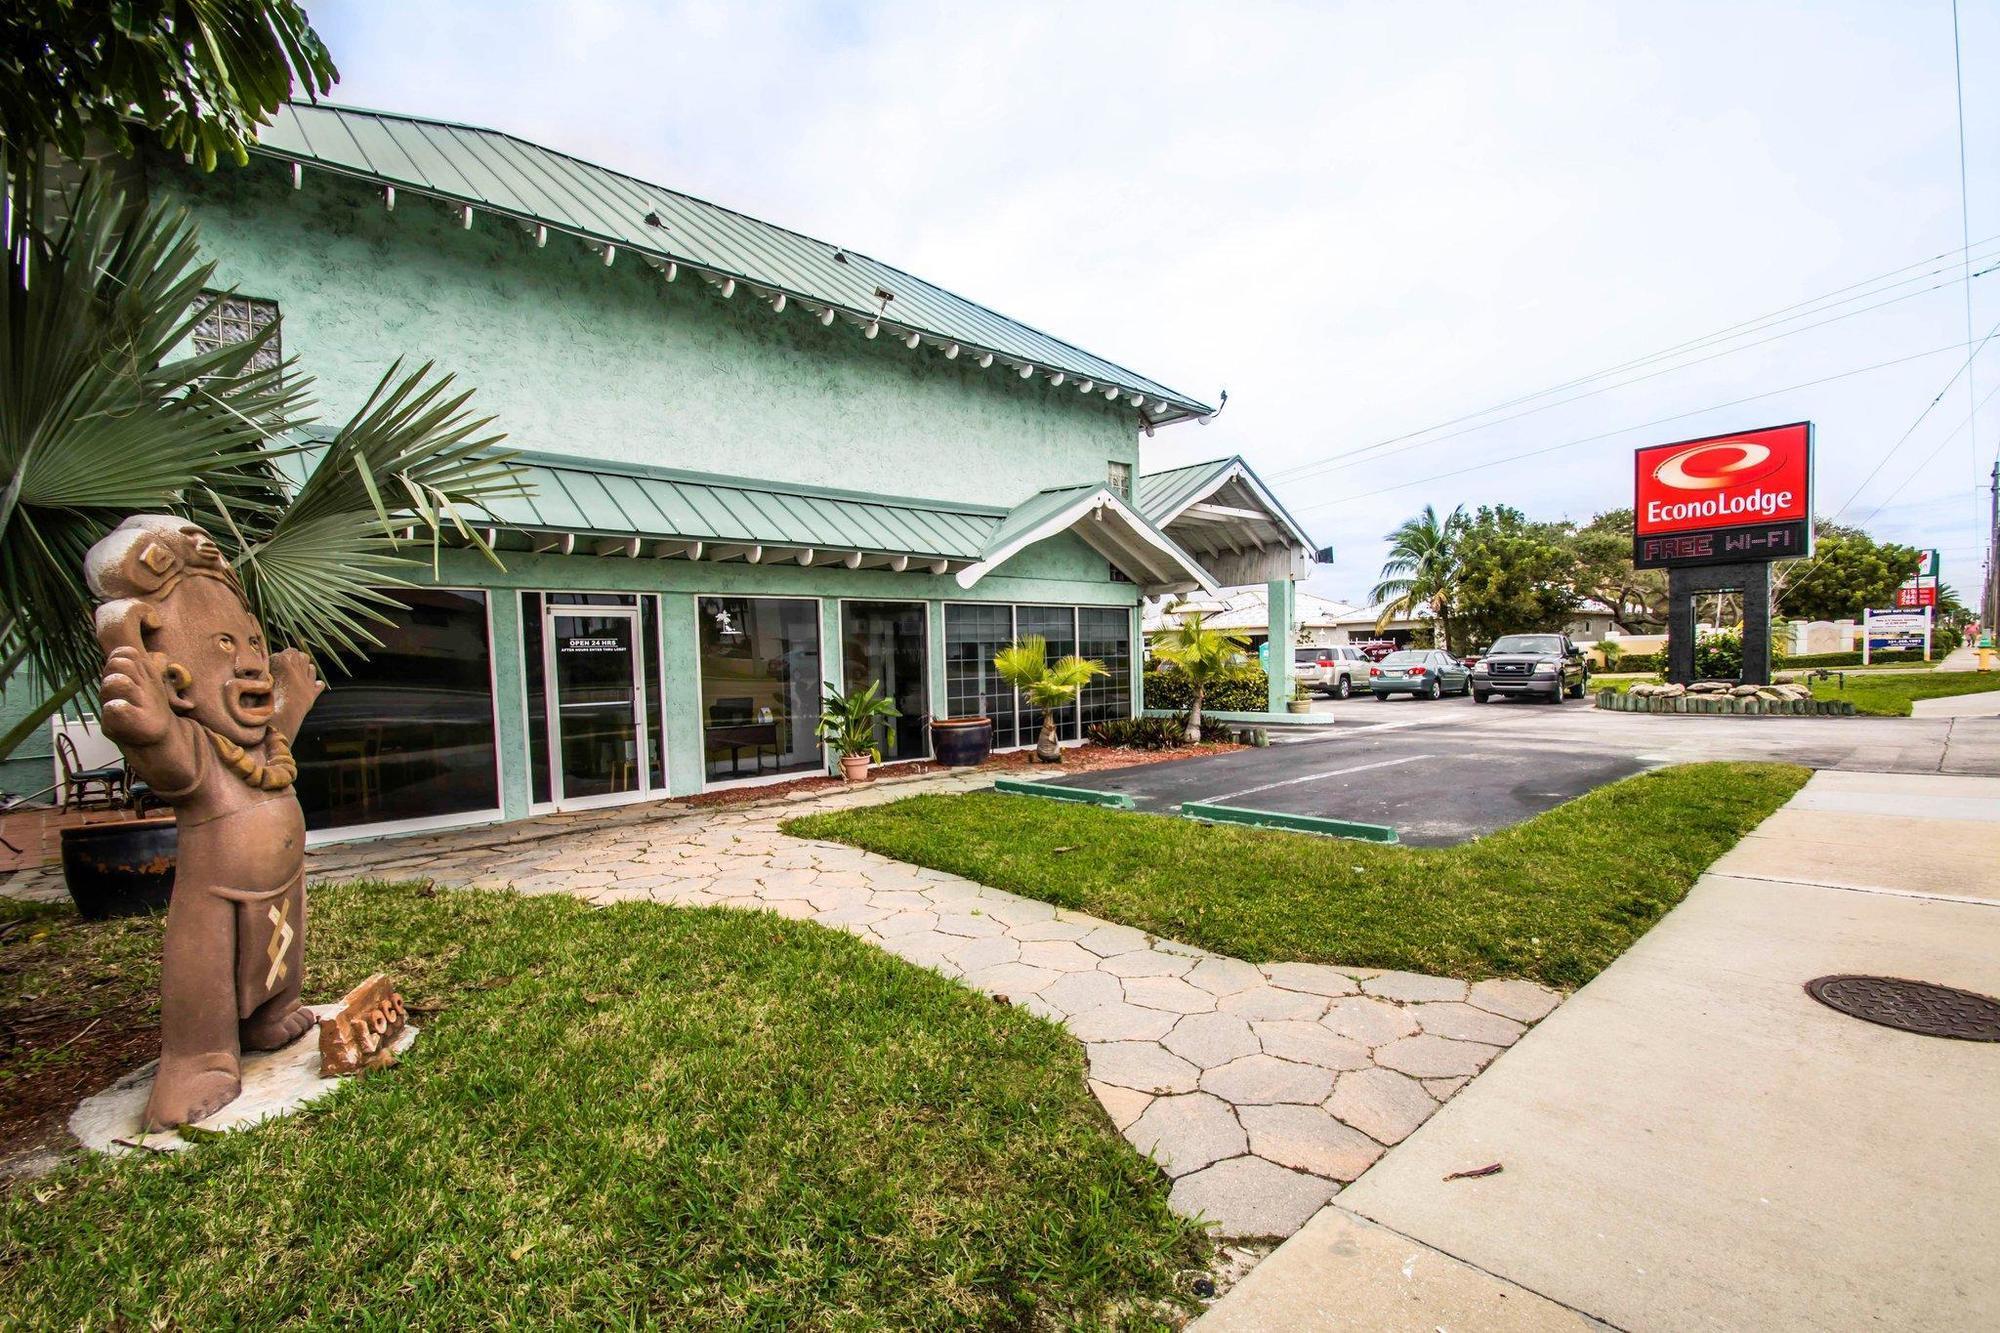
1724,498
1918,596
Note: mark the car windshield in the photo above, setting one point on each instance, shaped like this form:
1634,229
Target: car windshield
1527,643
1405,659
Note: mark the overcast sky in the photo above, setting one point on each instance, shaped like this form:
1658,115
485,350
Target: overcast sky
1362,220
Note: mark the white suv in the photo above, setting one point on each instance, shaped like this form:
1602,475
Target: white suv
1333,671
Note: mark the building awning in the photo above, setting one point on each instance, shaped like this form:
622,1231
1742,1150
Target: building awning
1221,513
573,506
1110,526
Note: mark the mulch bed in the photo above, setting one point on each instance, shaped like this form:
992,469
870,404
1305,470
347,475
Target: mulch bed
1086,758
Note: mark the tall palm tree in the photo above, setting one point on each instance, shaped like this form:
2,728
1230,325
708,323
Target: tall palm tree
1025,665
1422,569
1207,657
106,410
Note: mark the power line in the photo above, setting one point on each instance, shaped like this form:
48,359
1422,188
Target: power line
1340,461
1964,212
1623,430
1797,310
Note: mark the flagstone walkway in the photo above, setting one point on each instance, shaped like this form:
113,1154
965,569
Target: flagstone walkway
1259,1090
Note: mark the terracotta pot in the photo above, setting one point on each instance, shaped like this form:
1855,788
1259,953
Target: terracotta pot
121,867
961,742
854,767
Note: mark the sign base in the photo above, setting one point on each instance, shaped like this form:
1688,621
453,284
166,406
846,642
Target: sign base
1686,585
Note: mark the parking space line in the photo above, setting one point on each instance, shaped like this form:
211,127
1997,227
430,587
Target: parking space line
1314,777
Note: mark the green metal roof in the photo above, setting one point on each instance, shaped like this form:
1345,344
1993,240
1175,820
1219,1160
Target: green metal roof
624,500
1164,496
499,173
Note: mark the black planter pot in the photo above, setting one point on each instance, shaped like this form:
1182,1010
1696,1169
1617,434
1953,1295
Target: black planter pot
120,868
961,742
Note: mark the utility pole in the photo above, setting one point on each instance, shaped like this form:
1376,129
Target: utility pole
1989,601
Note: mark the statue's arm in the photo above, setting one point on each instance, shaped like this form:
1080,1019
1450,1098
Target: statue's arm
296,683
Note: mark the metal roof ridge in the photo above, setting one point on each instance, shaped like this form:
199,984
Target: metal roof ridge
573,463
1185,399
1221,461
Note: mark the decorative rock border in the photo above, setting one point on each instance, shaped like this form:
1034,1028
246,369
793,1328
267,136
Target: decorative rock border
1724,704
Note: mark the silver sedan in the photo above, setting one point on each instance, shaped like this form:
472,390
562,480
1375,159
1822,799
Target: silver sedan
1428,673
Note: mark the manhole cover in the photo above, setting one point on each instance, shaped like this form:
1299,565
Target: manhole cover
1913,1006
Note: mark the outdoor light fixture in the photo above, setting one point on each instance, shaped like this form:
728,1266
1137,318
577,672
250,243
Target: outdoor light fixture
986,360
1057,379
728,287
388,198
298,176
1084,387
1138,400
672,270
951,352
610,253
1111,393
778,303
874,327
912,341
465,217
1027,370
826,316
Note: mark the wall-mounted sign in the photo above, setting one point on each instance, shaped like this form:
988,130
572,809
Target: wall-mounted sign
1916,594
1724,499
592,643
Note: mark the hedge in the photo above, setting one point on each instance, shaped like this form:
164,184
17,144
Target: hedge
1248,693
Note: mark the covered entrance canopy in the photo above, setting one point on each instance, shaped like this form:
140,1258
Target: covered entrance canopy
1222,515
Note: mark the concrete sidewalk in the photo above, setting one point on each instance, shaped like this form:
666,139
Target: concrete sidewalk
1692,1142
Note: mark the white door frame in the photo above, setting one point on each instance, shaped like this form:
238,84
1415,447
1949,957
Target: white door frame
635,616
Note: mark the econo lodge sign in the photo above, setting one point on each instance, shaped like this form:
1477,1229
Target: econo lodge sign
1724,498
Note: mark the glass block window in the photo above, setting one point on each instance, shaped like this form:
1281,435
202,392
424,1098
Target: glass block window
1105,635
1119,477
972,635
235,319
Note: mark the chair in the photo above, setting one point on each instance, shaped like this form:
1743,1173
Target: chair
87,788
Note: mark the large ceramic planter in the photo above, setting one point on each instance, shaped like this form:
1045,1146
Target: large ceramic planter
961,742
854,767
120,868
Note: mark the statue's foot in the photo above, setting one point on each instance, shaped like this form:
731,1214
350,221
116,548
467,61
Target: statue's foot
261,1032
181,1097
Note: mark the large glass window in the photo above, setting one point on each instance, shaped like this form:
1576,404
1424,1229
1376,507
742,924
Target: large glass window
407,733
1105,635
1057,624
972,635
883,642
760,686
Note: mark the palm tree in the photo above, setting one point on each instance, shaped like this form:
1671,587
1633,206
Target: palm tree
1205,656
105,411
1422,569
1025,665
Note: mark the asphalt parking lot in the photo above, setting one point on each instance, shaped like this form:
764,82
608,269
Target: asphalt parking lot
1447,771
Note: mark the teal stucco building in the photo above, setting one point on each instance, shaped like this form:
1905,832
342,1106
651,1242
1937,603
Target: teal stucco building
761,466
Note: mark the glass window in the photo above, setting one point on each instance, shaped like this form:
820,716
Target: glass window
884,642
760,686
236,319
1106,636
656,736
538,701
972,635
407,733
1057,624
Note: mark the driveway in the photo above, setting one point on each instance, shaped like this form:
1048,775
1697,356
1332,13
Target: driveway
1446,771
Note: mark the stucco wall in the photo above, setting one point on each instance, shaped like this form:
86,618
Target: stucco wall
617,363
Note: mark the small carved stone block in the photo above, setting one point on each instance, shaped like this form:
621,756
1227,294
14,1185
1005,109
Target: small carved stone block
360,1035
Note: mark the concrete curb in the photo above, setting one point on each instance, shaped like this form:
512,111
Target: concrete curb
1112,800
1334,828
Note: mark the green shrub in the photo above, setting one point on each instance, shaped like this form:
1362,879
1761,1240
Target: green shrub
1141,733
1719,656
1248,693
1842,659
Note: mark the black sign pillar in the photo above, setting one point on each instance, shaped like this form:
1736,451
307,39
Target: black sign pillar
1687,584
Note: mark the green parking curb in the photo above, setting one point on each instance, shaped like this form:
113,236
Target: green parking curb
1335,828
1111,800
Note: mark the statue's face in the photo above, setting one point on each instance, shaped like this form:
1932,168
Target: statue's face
206,629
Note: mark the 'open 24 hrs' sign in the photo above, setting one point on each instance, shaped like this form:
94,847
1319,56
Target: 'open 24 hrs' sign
1724,499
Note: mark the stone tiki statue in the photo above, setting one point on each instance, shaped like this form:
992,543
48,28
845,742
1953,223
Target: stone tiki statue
206,714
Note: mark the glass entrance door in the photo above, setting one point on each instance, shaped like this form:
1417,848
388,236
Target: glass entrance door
596,728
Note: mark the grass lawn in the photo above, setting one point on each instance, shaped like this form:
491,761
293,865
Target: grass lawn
1890,696
626,1116
1553,899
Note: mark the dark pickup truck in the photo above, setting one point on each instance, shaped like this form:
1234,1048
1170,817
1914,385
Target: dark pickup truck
1545,666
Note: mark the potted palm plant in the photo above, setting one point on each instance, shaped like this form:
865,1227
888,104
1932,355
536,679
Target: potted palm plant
1047,685
847,723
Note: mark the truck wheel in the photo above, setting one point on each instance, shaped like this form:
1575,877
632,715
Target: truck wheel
1482,696
1582,684
1342,688
1556,695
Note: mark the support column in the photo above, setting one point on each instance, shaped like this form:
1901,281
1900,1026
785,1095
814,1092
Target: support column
503,607
680,654
940,699
832,674
1138,662
1281,608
